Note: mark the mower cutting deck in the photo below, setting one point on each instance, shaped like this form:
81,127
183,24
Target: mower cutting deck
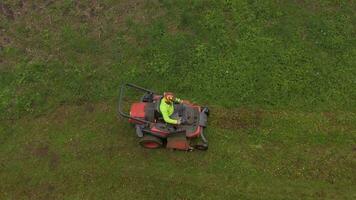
154,132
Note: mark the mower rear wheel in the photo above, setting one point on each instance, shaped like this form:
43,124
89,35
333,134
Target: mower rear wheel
150,142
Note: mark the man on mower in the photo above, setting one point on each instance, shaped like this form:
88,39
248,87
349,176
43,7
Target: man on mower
166,107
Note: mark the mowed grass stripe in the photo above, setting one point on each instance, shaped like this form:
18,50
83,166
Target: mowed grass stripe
86,150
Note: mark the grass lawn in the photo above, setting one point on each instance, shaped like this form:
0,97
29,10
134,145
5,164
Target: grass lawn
278,76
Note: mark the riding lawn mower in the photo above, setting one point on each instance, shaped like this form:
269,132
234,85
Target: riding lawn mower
154,132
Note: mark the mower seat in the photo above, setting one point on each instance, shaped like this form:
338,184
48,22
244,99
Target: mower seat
158,114
152,113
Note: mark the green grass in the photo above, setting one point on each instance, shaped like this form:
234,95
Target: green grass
279,77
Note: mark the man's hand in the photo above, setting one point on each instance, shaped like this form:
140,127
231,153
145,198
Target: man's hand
181,121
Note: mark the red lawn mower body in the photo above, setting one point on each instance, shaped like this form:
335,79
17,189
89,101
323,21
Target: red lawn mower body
154,132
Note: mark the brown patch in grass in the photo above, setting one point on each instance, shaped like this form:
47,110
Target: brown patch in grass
4,40
173,28
54,160
88,11
300,1
333,123
104,107
331,117
89,107
7,11
61,114
315,6
21,3
19,9
41,191
130,9
236,118
40,151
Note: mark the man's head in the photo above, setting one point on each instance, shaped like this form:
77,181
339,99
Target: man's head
168,97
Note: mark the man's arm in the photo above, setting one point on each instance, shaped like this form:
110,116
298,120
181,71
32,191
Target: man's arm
165,115
168,119
178,100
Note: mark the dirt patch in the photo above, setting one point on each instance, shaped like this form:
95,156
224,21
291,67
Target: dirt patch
89,107
4,41
61,114
21,8
300,2
43,151
41,191
337,122
104,107
21,3
129,9
312,6
54,161
331,117
7,11
236,118
315,6
40,151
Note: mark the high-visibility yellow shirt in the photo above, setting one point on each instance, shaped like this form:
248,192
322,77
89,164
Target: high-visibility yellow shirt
167,109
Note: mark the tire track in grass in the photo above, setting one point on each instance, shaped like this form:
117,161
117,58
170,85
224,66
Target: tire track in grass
235,119
295,145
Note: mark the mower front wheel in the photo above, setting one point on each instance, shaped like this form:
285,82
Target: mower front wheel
150,142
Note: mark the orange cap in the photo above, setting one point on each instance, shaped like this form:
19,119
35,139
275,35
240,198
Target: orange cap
169,96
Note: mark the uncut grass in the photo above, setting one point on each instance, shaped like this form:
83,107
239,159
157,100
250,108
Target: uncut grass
286,55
